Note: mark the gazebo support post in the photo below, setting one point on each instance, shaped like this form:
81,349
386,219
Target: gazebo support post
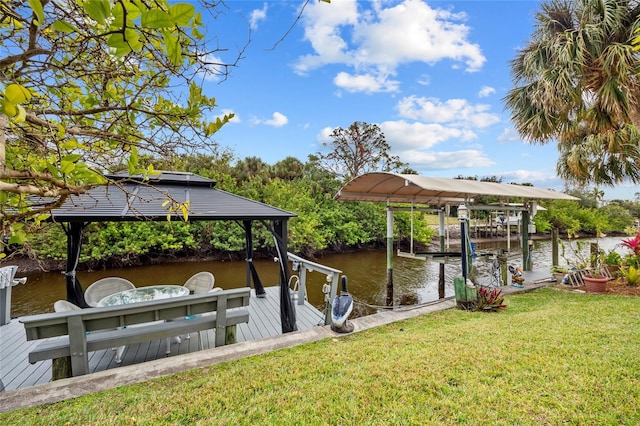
251,268
441,218
287,309
75,294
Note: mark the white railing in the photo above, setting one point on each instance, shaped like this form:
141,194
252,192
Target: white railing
330,289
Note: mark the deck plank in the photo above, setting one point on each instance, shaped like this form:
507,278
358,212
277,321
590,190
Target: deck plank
264,321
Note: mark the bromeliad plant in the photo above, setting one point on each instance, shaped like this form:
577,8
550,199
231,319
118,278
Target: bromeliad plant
490,299
631,275
633,244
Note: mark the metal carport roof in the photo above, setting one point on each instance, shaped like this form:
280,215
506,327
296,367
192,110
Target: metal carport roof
394,187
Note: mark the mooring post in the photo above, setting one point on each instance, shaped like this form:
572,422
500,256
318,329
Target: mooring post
527,264
554,247
389,255
441,219
462,218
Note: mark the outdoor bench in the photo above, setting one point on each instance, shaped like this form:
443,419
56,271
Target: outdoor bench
75,333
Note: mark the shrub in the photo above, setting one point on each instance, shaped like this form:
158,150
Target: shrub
490,299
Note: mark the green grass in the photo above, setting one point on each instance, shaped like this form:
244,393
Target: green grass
432,219
552,357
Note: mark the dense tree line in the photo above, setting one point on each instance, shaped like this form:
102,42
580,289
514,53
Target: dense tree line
322,225
305,189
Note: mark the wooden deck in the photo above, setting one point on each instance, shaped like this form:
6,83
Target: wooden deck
264,321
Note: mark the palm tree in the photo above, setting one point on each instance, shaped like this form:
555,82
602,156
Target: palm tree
576,83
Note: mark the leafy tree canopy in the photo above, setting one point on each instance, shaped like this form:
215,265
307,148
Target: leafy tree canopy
358,149
576,83
86,86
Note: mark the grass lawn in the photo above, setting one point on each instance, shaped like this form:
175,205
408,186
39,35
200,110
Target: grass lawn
552,357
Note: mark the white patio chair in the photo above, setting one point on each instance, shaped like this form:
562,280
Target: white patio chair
64,306
198,283
201,282
105,287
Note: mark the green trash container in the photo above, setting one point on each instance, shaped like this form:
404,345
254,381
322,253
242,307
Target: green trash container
466,295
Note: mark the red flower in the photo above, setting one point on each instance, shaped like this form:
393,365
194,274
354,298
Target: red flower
633,244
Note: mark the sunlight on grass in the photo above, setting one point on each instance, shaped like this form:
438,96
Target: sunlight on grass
551,357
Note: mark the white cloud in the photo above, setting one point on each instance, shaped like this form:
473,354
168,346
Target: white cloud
486,91
277,120
403,136
424,80
258,15
456,112
428,161
214,68
324,135
379,40
509,135
521,176
366,83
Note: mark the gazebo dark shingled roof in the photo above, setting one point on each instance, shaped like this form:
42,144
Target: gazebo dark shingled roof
131,198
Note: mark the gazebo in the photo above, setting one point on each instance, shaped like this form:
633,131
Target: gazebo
157,198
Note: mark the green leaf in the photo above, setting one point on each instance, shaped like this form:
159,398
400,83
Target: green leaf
182,13
133,39
37,8
63,27
67,167
98,10
19,237
17,94
21,116
69,144
8,108
174,50
155,18
72,157
118,42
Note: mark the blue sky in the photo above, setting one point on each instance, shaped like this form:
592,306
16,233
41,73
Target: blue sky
431,74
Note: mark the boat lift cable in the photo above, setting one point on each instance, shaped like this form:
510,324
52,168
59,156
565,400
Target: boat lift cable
400,308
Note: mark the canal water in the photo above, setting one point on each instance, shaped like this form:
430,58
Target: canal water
366,272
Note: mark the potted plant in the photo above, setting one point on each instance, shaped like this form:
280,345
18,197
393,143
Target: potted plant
612,261
594,278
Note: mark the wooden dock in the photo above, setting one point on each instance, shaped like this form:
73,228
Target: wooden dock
264,321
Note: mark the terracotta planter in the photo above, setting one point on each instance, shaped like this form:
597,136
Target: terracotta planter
595,285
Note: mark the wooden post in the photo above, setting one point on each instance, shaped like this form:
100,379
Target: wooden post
526,247
593,254
61,368
389,256
441,228
230,335
554,247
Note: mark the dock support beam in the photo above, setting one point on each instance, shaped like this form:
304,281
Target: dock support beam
441,219
389,255
526,243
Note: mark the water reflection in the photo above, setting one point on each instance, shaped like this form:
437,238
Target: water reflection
367,273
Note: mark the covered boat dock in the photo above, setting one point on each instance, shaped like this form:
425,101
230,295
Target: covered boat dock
416,192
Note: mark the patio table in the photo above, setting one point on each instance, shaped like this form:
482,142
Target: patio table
142,294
